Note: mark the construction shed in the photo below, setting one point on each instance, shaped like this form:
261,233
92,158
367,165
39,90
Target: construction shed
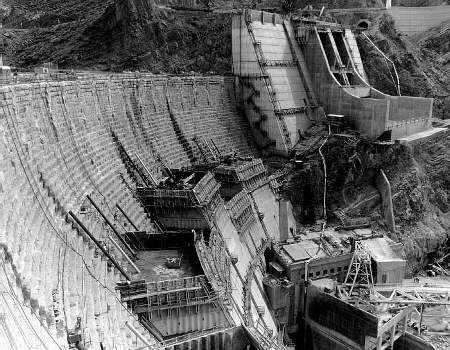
387,264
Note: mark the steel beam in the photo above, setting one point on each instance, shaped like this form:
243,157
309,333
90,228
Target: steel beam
97,243
119,236
127,217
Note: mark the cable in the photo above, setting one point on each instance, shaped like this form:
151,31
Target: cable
13,314
386,58
390,73
59,145
79,157
63,294
325,179
61,151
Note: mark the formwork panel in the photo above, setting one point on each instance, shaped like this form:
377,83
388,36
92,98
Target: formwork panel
278,56
290,73
290,87
273,27
272,41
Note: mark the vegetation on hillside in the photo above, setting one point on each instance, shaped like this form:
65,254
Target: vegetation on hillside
422,69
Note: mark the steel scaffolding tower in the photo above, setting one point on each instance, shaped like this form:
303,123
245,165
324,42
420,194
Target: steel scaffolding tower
360,272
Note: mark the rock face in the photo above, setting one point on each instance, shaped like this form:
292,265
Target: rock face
421,65
421,200
130,12
124,35
139,34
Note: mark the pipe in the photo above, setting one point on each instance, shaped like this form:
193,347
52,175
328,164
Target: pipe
112,227
126,217
420,321
146,170
321,11
119,248
386,58
97,243
324,200
139,335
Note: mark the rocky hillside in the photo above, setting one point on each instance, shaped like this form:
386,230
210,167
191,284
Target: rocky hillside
422,65
436,42
139,34
419,177
47,13
118,35
421,198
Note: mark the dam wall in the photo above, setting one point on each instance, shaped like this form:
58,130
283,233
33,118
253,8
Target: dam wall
243,229
276,94
61,141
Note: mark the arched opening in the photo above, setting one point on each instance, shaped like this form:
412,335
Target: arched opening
363,24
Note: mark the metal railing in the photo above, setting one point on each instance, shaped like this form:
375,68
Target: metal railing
143,289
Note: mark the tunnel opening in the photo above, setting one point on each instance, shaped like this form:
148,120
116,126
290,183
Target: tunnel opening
363,24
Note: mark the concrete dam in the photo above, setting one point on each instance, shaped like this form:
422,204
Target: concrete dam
137,213
62,141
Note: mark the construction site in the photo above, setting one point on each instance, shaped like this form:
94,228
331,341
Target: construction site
294,202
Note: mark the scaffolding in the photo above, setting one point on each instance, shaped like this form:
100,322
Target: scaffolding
359,273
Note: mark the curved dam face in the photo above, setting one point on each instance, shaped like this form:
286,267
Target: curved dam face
135,212
73,154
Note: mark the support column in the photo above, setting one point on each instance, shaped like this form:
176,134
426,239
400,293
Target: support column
380,342
283,220
384,187
393,330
